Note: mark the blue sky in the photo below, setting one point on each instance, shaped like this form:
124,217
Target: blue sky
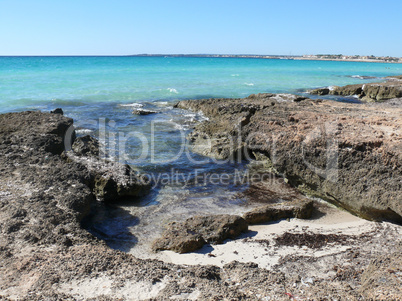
121,27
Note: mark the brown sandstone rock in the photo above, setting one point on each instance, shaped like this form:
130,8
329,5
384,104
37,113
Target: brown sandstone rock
274,212
371,92
194,232
395,77
320,91
179,242
348,90
110,181
381,92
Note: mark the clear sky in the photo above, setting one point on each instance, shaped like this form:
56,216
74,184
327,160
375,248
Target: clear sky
121,27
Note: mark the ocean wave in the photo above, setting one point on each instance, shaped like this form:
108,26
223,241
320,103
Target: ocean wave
178,126
135,104
83,131
172,90
249,84
162,103
202,117
363,77
190,117
235,75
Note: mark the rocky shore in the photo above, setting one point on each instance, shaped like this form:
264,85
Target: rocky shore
372,92
348,154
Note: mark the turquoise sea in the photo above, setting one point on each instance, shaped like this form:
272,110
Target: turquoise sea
100,93
45,82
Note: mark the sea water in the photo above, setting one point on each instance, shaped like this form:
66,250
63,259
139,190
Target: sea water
100,93
45,82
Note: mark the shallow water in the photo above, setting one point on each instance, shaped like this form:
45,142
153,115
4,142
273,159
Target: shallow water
100,93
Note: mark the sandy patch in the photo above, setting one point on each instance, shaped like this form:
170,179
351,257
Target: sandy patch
259,244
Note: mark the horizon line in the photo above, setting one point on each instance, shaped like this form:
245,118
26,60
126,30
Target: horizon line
318,57
147,54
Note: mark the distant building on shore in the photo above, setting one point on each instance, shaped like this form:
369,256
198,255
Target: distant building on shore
370,58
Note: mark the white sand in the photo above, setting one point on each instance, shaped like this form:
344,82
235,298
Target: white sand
247,248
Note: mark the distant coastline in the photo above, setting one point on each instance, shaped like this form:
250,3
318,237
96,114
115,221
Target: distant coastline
317,57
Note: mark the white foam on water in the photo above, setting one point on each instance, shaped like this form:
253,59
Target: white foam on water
173,90
161,103
135,104
199,116
249,84
235,75
143,110
83,131
331,88
363,77
181,126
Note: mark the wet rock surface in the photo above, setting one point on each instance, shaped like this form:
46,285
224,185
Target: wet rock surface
46,255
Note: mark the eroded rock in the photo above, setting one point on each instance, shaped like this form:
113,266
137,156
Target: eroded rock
320,91
111,181
194,232
86,146
348,90
381,92
274,212
371,92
